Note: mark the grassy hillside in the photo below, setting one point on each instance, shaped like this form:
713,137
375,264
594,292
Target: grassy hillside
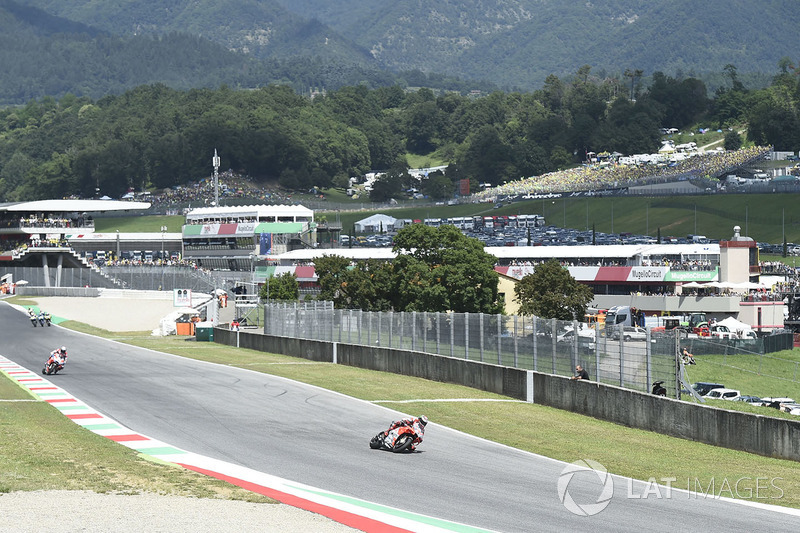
764,217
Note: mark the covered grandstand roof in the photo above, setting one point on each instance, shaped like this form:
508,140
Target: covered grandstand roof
124,237
523,252
69,206
610,250
256,210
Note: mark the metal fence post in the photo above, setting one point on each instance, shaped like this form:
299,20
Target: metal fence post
553,338
535,345
350,326
360,324
438,333
391,326
621,357
649,369
480,332
452,334
516,344
402,323
369,328
574,342
499,341
425,331
413,330
466,336
597,353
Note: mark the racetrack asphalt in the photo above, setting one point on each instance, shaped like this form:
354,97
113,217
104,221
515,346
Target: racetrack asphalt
320,438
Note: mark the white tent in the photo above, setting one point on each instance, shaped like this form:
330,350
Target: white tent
740,328
375,223
750,286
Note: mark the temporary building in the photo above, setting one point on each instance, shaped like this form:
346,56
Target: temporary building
375,224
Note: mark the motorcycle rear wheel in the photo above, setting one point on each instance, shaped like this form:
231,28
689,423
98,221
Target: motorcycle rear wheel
403,443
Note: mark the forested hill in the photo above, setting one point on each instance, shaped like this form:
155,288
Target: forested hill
261,28
511,43
44,55
521,42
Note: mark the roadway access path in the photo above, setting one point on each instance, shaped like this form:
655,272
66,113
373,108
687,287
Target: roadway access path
309,447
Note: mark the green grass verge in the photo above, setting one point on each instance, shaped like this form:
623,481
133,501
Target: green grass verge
755,375
543,430
424,161
767,216
140,223
43,450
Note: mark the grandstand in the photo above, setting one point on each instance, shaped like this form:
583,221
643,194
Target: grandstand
236,237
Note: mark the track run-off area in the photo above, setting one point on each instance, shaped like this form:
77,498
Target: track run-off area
308,447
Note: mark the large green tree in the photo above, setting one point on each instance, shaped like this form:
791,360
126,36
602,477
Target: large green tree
441,269
281,288
551,292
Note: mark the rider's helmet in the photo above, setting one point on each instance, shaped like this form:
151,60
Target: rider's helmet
423,420
63,349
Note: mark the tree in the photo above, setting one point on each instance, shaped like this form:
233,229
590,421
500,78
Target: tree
551,292
281,288
733,141
441,269
331,272
438,186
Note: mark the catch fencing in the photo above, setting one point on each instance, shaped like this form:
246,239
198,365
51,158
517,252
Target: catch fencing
530,343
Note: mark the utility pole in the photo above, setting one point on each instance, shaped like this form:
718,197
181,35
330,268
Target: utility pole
163,262
215,163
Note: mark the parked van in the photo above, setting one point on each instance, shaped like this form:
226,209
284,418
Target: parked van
619,315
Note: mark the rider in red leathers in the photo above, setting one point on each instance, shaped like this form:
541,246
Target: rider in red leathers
417,424
59,355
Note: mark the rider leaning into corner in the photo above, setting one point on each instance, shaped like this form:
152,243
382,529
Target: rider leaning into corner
417,424
59,355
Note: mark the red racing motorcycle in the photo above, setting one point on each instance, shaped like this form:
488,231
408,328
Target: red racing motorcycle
402,436
53,366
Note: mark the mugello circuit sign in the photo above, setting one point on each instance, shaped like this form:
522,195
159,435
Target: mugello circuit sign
619,274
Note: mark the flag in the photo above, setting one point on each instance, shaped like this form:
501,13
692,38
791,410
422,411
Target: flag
266,244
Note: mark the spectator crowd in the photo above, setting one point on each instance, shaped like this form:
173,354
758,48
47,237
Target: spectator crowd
596,177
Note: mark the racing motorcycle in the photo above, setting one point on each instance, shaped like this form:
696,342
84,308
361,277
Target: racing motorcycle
34,318
398,440
44,318
52,366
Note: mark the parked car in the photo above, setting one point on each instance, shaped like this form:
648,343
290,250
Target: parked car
722,394
631,333
748,399
703,387
586,342
775,402
791,408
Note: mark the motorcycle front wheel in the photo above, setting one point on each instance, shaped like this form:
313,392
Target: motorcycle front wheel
403,443
376,441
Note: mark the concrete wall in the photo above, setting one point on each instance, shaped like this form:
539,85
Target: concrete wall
88,292
493,378
773,437
307,349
